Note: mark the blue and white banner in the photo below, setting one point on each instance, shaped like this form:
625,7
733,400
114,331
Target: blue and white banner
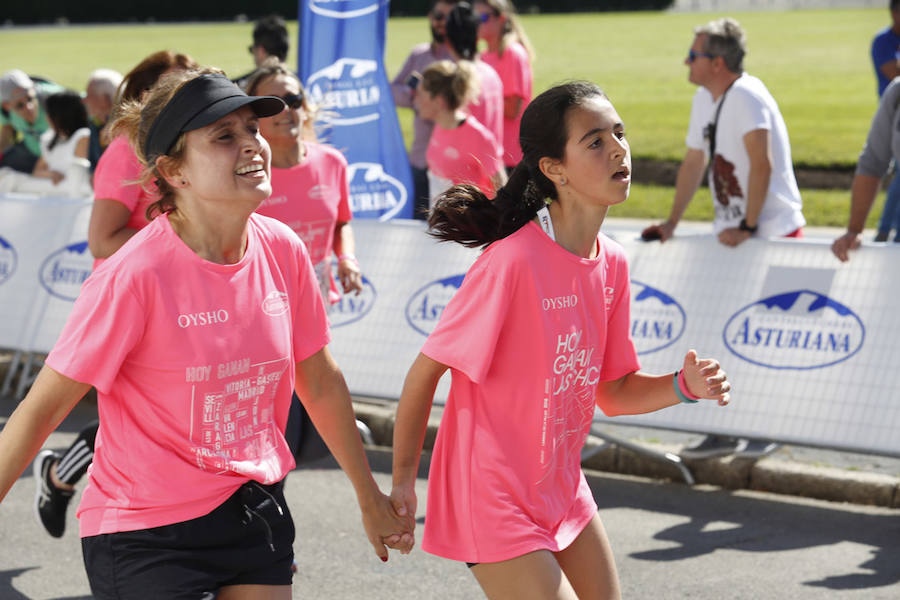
341,64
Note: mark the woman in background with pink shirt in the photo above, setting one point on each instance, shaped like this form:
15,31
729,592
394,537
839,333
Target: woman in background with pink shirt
461,149
119,212
511,55
120,205
310,191
195,332
535,338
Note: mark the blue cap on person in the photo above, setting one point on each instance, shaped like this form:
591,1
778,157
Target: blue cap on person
201,102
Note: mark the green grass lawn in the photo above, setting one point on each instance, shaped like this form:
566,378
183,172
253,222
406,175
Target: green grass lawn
816,64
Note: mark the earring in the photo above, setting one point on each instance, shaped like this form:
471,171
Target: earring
562,181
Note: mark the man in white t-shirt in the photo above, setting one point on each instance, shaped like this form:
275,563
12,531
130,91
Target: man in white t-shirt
737,128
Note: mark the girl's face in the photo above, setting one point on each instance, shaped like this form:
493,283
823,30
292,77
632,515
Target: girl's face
428,104
287,126
597,164
227,162
491,27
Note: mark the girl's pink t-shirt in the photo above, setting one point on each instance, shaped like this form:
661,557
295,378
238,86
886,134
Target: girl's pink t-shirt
117,171
193,363
312,198
528,336
488,107
466,154
514,69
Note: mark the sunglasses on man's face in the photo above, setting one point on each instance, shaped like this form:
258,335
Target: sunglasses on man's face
692,56
294,101
437,16
21,104
485,17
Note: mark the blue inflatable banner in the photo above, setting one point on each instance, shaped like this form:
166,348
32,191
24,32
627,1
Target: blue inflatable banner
341,64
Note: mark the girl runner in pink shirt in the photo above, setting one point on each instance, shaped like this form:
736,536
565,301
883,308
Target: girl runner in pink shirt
195,333
536,336
510,54
310,191
461,150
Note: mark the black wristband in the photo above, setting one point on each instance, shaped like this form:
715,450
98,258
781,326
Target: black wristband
744,227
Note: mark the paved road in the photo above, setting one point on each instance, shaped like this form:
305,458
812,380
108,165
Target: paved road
671,541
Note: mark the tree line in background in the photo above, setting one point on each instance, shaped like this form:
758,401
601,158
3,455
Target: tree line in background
103,11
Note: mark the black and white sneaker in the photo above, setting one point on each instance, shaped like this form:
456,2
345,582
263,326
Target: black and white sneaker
50,502
713,446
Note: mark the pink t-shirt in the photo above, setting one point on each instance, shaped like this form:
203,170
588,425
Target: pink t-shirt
528,336
488,107
193,362
466,154
117,170
514,69
312,198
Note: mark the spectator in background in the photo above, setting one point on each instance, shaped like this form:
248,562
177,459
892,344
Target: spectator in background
510,54
882,146
418,60
886,60
270,39
462,39
735,125
62,168
461,149
22,119
99,99
121,206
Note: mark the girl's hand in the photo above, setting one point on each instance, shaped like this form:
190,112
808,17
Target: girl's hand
705,378
403,499
385,527
350,275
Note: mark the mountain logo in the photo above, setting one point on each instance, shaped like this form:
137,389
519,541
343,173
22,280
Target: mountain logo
63,272
425,307
657,319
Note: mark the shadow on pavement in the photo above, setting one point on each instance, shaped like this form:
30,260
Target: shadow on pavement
723,520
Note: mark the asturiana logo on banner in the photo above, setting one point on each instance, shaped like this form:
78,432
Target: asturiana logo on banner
425,307
373,190
657,320
351,307
349,89
8,260
65,270
343,9
795,330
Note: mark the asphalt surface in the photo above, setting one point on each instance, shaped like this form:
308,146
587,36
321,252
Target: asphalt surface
670,541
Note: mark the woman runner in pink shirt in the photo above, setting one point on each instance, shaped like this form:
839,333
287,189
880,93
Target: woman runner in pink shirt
510,54
461,149
535,338
194,333
310,191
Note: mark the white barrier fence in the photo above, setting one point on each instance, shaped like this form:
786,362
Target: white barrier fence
808,342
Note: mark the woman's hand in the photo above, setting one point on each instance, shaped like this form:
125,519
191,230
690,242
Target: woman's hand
350,275
387,527
705,378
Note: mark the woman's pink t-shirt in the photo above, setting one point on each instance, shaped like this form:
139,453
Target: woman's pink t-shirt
117,171
514,69
488,107
466,154
312,198
528,336
193,363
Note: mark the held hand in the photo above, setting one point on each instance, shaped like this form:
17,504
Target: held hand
844,244
385,527
350,276
403,499
661,232
705,378
56,177
733,236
